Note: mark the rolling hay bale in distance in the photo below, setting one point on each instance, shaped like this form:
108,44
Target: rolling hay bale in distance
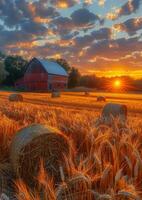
76,188
16,97
35,143
112,112
101,98
87,94
55,94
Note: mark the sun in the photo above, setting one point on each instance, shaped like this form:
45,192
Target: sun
117,84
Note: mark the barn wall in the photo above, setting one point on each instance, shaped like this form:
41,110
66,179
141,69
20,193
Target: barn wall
56,82
37,79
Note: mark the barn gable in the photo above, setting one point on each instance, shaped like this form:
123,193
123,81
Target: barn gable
48,66
42,75
34,66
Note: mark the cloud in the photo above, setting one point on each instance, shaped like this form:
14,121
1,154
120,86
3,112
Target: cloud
63,3
84,18
9,14
43,10
33,28
87,40
80,20
128,8
103,33
114,48
15,36
43,28
101,2
14,12
62,26
130,26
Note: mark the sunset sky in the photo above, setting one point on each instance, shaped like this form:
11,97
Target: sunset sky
96,36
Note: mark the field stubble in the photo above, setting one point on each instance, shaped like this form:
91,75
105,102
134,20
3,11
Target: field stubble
110,159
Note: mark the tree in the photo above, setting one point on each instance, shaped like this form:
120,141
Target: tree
15,66
2,55
64,64
74,78
90,81
3,72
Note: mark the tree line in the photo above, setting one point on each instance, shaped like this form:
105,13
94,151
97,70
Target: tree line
13,68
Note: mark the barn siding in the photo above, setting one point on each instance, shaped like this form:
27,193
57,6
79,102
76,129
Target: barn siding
57,82
37,79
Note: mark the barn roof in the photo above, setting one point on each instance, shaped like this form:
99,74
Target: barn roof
52,67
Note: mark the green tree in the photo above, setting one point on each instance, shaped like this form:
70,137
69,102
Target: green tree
2,55
74,78
3,72
90,81
15,66
64,64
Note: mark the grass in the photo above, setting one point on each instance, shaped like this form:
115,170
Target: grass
111,159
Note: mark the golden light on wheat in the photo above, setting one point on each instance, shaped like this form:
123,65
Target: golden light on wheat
107,161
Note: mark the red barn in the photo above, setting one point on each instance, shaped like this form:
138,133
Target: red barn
43,75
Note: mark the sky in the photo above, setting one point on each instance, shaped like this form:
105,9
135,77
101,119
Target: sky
102,37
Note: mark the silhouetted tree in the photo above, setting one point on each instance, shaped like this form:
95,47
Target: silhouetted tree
90,81
15,66
2,55
64,64
3,72
74,78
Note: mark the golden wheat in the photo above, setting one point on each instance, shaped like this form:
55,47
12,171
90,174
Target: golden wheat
110,158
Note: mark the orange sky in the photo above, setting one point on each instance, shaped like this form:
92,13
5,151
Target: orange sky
137,74
96,36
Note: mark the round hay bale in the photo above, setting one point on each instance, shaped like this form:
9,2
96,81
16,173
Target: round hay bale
35,143
16,97
112,111
55,94
86,94
101,98
76,188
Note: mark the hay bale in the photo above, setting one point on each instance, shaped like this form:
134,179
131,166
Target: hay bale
87,94
35,143
76,188
111,114
101,98
16,97
113,110
55,94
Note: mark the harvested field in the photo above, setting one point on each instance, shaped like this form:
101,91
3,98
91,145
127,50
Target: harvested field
111,159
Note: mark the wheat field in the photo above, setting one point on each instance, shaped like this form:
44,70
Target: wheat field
108,161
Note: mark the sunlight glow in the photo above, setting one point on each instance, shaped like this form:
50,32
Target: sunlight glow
117,84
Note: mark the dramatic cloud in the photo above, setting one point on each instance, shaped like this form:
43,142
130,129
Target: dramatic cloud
75,30
101,2
81,19
130,26
84,18
130,7
87,40
114,48
63,3
33,28
12,37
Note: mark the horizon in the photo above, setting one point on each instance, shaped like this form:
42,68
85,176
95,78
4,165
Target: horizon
97,37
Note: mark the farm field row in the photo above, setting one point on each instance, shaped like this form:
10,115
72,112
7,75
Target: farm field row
75,116
77,100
